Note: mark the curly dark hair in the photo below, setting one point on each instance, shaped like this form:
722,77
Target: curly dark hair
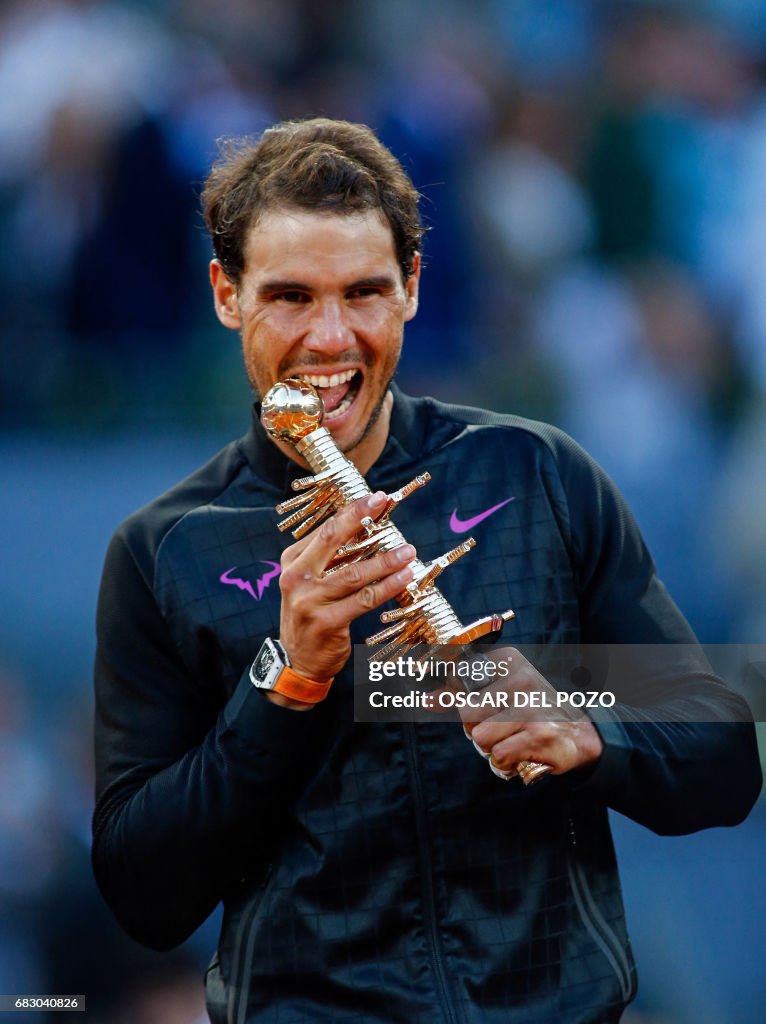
316,164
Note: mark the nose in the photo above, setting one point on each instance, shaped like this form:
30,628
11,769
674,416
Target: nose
329,331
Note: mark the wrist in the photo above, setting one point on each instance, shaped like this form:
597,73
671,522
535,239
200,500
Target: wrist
297,687
273,674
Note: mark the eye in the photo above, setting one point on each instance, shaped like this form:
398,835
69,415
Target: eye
291,296
362,293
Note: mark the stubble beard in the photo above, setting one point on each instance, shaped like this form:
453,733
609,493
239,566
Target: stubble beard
374,416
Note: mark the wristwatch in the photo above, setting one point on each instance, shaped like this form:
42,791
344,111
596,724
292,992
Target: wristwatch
272,670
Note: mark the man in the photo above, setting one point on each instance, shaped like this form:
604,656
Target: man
377,872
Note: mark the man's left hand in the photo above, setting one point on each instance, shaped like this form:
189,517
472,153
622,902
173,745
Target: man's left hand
561,738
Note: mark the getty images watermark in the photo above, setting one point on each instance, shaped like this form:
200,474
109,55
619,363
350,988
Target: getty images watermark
473,677
619,681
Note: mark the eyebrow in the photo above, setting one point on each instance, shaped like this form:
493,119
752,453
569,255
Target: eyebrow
382,281
281,286
376,281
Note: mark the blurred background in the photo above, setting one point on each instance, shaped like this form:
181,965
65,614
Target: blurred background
593,177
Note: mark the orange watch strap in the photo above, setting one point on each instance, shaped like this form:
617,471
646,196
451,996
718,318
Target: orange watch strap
297,687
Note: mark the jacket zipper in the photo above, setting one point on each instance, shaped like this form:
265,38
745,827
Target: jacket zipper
600,931
427,890
237,1011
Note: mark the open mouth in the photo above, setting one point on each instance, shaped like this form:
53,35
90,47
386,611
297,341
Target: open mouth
337,390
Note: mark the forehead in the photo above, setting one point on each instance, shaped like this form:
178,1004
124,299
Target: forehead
285,240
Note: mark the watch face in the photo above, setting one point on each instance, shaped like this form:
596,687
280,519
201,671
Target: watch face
263,664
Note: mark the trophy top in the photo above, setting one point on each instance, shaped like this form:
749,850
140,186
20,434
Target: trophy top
291,410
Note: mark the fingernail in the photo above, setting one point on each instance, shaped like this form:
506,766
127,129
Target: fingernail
377,500
404,575
405,553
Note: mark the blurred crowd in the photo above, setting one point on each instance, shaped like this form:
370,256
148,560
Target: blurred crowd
591,173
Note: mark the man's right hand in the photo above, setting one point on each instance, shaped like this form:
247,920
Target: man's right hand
318,610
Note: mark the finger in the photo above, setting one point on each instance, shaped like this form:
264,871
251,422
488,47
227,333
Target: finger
548,745
353,577
372,595
292,552
507,752
488,733
484,750
472,716
338,530
500,707
497,701
358,510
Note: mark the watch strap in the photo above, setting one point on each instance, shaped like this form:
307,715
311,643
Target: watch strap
297,687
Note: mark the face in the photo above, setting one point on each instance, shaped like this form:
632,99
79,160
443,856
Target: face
322,298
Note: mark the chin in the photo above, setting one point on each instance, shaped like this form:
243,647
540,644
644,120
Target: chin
347,436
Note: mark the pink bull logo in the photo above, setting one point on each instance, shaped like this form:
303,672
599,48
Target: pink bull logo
261,583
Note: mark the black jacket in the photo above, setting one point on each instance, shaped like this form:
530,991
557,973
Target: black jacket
380,872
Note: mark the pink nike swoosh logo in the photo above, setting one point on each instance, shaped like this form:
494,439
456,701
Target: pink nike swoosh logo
261,583
458,525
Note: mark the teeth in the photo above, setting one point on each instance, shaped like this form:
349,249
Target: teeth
345,404
320,380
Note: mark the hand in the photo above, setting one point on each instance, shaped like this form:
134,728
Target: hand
563,738
318,610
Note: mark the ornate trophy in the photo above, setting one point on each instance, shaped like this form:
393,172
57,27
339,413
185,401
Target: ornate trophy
293,411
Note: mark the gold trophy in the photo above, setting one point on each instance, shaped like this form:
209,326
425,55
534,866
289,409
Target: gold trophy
293,411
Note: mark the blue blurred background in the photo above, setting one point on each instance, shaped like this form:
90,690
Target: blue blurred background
593,174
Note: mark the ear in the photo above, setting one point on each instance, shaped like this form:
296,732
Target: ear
225,297
411,287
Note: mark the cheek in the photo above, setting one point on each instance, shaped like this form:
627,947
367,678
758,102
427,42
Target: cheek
263,338
382,325
255,354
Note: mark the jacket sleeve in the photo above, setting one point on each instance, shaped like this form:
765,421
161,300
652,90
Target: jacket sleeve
188,788
680,750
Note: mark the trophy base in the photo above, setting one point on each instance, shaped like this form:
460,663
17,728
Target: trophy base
531,771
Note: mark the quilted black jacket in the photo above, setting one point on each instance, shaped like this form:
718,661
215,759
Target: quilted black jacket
380,872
